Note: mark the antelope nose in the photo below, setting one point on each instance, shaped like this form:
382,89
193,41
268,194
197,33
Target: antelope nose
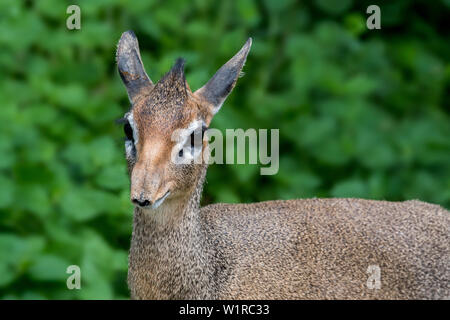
141,203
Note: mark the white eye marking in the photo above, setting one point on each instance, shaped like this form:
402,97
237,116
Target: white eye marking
129,117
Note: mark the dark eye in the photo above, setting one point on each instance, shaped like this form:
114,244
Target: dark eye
128,131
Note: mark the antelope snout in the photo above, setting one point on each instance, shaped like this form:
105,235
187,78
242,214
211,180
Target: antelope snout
147,190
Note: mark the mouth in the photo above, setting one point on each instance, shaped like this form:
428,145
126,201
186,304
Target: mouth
158,202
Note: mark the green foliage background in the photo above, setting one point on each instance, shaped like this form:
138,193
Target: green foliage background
361,114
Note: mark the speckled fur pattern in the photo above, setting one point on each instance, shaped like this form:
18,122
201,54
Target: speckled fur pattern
295,249
321,249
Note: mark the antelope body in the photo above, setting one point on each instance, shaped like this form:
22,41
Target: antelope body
295,249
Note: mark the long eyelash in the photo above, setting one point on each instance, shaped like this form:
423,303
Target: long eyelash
122,120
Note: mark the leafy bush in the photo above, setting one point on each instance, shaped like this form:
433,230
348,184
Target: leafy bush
361,114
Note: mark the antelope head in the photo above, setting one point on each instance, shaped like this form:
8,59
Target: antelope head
164,127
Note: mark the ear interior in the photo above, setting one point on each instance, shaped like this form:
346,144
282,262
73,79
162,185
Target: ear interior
217,89
130,66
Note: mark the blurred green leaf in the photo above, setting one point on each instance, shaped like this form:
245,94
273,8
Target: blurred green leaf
352,188
49,268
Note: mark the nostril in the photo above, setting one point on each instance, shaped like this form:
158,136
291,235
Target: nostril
143,203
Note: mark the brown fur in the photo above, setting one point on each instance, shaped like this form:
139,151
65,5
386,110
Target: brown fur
296,249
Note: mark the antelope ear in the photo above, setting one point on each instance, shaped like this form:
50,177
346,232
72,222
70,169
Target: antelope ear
130,65
220,85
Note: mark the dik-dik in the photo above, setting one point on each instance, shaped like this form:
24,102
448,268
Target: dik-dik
295,249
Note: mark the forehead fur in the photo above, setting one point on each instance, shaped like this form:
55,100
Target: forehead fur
172,87
170,104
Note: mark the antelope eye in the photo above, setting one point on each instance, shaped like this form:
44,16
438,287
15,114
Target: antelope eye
128,131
